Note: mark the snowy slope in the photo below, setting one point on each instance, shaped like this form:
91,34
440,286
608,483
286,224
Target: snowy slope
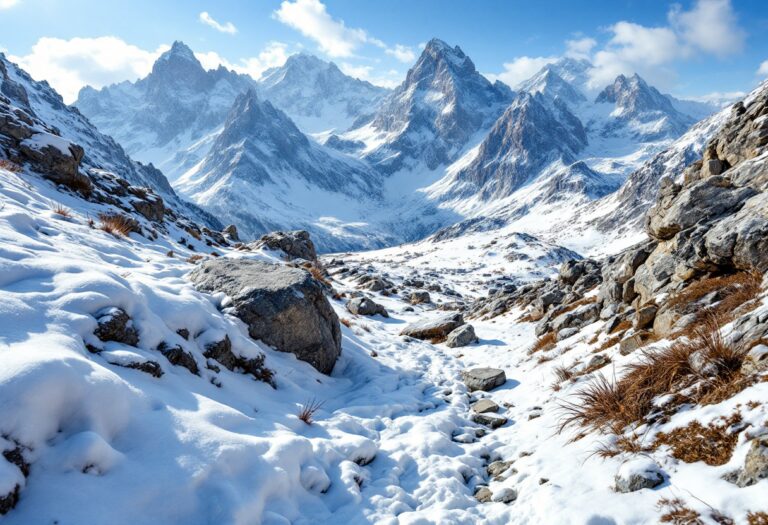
317,95
167,117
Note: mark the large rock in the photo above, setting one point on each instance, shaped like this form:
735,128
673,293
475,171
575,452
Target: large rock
284,307
437,328
484,379
364,306
116,325
462,336
296,244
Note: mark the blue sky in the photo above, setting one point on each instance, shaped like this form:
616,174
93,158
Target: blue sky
693,48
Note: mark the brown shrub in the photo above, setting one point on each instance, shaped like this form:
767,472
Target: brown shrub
116,224
543,343
8,165
757,518
562,373
194,258
309,409
713,444
623,326
614,405
60,209
608,343
346,322
677,513
739,292
318,272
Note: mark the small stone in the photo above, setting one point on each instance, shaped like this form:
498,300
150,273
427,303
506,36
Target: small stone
419,297
484,406
490,420
638,474
483,494
497,468
505,495
645,316
483,378
365,306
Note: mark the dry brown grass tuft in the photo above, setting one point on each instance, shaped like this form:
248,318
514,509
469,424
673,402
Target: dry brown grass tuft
623,326
614,405
677,513
757,518
608,343
116,224
318,272
346,322
575,304
194,258
713,444
562,373
11,166
739,291
545,342
60,209
308,410
623,444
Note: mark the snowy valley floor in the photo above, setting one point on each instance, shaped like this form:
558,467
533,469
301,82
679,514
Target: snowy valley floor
393,442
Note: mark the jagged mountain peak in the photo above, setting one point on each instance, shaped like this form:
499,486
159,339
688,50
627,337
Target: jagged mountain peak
634,93
437,58
178,64
551,85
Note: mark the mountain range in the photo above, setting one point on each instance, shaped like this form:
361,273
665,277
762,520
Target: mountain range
306,146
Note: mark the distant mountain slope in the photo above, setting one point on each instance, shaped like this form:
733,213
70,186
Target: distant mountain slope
167,117
263,174
317,95
433,114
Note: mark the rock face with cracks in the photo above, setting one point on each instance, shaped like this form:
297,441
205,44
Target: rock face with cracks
284,307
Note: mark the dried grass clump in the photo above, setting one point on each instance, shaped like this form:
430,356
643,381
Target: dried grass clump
115,224
713,444
544,342
608,343
739,291
308,410
194,258
757,518
318,272
677,513
623,326
562,373
11,166
60,209
614,405
346,322
581,302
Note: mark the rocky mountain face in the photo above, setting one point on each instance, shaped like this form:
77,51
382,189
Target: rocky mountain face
527,138
642,112
95,152
433,114
167,117
317,95
263,174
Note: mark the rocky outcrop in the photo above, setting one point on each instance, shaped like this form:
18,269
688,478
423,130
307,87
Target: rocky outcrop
638,474
755,464
295,244
282,306
116,325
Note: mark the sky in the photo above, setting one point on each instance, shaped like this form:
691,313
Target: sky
694,48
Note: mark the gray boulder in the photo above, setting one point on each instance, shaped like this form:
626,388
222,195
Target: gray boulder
489,420
638,474
484,379
296,244
461,336
365,306
419,297
755,464
284,307
437,328
484,406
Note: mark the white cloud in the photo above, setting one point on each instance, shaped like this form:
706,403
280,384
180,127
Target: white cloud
227,27
68,65
7,4
579,47
521,68
710,26
403,53
388,79
311,19
273,55
636,49
763,69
